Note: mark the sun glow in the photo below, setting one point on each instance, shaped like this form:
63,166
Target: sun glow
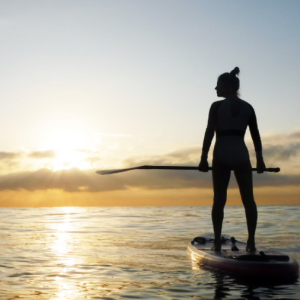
69,152
68,159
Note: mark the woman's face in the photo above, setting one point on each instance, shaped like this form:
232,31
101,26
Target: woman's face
222,89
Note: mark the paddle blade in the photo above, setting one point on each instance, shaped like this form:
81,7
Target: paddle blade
107,172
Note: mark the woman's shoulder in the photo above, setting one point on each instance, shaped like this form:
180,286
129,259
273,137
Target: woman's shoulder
217,103
215,106
246,103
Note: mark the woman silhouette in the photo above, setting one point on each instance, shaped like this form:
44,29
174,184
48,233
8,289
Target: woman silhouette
229,118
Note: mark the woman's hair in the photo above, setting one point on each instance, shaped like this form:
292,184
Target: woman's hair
231,79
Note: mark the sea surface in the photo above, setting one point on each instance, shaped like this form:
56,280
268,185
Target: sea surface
132,253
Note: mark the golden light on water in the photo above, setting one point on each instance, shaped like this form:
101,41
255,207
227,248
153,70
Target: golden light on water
66,291
63,240
63,246
60,245
72,253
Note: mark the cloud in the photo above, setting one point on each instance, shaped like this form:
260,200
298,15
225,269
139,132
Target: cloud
282,152
276,148
76,180
113,134
10,155
42,154
93,159
281,147
189,156
295,134
69,180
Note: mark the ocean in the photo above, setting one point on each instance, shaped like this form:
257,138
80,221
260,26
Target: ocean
132,253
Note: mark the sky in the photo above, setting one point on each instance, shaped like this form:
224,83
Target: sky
91,85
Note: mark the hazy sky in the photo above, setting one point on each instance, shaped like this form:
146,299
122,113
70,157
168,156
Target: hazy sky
99,84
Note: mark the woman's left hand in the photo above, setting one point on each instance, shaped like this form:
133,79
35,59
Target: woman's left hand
203,166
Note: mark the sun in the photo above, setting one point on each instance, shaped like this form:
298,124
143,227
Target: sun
68,148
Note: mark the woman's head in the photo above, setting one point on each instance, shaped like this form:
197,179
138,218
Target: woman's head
228,84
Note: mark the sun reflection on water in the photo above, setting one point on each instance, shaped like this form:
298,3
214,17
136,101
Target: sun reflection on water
62,242
66,290
63,248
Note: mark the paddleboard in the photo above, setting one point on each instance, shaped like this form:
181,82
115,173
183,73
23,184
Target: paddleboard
234,258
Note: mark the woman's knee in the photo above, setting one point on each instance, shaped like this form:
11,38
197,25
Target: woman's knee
250,205
220,195
219,204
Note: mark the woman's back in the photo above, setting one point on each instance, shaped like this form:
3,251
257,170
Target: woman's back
233,114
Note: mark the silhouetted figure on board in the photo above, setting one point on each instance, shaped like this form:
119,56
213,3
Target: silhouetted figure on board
229,118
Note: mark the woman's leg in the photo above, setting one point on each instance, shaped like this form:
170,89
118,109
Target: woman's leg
221,176
244,180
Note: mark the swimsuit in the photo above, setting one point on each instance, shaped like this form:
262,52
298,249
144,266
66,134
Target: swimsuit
230,118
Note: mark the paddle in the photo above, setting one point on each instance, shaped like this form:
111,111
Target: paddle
146,167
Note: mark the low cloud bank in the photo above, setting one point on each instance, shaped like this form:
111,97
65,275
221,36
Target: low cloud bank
9,155
280,150
42,154
75,180
282,147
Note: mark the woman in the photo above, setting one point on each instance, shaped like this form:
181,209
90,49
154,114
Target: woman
229,118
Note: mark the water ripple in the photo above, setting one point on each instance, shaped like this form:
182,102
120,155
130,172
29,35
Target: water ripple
131,253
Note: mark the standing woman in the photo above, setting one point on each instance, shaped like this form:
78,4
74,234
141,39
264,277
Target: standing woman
229,118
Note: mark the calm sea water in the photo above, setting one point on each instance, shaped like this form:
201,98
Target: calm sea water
131,253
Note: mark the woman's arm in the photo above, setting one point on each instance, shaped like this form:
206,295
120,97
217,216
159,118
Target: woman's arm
209,134
257,142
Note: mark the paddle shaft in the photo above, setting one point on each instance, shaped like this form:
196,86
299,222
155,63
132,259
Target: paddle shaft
147,167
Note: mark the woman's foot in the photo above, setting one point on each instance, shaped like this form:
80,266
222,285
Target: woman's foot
216,246
235,248
250,247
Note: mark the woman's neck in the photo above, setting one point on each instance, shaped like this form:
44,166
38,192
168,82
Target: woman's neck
232,96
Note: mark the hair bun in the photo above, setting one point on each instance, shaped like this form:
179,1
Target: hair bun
235,71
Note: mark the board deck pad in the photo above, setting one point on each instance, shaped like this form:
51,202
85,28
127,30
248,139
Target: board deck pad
233,257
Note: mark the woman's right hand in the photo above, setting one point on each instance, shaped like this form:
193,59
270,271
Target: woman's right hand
260,165
203,165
